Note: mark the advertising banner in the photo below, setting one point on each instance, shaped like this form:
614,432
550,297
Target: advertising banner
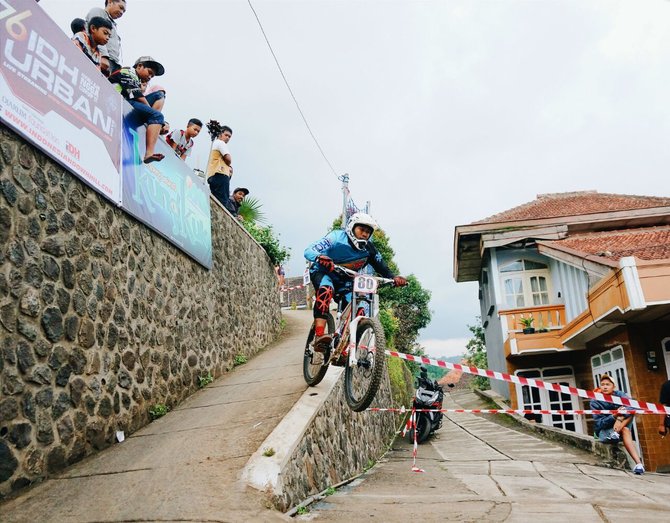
52,95
166,195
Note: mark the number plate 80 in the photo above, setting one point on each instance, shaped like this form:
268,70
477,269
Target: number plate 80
365,284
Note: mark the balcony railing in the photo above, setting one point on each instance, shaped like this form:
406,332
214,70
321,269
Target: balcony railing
548,321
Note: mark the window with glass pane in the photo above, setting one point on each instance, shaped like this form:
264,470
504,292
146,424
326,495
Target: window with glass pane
533,266
538,287
529,286
514,292
515,266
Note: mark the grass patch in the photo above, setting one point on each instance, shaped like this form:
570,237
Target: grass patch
158,411
240,359
203,381
268,451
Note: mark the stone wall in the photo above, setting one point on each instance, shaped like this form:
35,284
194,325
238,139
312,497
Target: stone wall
101,318
337,445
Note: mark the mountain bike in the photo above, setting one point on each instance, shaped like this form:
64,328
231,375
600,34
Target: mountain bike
358,342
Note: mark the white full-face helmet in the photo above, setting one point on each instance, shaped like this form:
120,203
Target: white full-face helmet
360,218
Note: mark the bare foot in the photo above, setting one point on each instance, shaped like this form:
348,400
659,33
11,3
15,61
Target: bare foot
156,157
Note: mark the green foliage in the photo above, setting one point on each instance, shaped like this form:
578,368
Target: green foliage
475,354
390,324
268,452
410,307
265,236
330,491
404,311
302,510
282,324
250,210
158,411
240,359
203,381
401,382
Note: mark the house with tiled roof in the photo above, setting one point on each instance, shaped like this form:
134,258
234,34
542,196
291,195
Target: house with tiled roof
592,270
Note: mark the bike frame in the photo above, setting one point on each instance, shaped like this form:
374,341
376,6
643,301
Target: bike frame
351,318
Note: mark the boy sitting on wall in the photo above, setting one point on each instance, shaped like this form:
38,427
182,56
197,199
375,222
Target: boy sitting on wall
99,31
128,82
614,428
182,141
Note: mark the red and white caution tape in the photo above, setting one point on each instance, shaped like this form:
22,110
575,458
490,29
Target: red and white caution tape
512,411
538,384
412,423
282,289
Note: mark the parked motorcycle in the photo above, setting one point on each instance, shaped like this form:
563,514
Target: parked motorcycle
429,395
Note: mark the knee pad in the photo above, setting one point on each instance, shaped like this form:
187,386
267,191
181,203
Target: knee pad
322,300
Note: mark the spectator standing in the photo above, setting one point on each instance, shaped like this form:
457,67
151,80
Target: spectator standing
665,400
612,428
128,82
281,275
235,201
181,141
219,166
77,25
90,41
111,52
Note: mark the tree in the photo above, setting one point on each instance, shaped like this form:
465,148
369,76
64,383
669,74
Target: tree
403,310
475,354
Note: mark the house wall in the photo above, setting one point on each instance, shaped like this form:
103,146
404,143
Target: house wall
492,324
645,384
572,285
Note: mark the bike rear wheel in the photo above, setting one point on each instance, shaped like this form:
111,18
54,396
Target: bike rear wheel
313,368
362,380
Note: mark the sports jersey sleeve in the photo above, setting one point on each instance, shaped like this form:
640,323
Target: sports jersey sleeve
375,259
320,247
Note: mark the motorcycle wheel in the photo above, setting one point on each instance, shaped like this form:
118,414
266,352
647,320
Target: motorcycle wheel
362,381
313,369
422,429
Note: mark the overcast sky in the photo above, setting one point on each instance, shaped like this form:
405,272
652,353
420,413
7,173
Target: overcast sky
442,112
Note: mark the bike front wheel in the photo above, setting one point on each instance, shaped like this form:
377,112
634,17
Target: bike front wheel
313,366
362,380
422,429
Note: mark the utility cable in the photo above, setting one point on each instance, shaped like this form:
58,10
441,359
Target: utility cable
304,119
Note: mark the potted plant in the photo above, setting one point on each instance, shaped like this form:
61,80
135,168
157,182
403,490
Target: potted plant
527,322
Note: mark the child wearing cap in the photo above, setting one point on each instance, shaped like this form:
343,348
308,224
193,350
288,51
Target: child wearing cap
128,82
612,428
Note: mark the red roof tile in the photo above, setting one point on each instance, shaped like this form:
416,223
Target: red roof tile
574,204
647,243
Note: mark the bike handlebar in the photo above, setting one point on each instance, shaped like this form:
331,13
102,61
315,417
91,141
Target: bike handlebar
349,272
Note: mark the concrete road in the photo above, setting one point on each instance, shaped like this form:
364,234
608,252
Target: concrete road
186,465
479,470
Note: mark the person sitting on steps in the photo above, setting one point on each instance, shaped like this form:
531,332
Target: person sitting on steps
352,248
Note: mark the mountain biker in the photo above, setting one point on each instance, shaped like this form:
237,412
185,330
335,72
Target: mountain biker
351,248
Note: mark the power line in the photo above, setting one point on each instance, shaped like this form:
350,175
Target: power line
291,90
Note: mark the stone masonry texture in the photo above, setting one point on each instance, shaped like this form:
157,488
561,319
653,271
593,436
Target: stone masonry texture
338,444
101,318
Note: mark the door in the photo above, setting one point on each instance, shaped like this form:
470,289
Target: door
532,398
613,362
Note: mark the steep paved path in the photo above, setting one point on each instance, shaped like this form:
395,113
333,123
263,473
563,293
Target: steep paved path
477,470
184,466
